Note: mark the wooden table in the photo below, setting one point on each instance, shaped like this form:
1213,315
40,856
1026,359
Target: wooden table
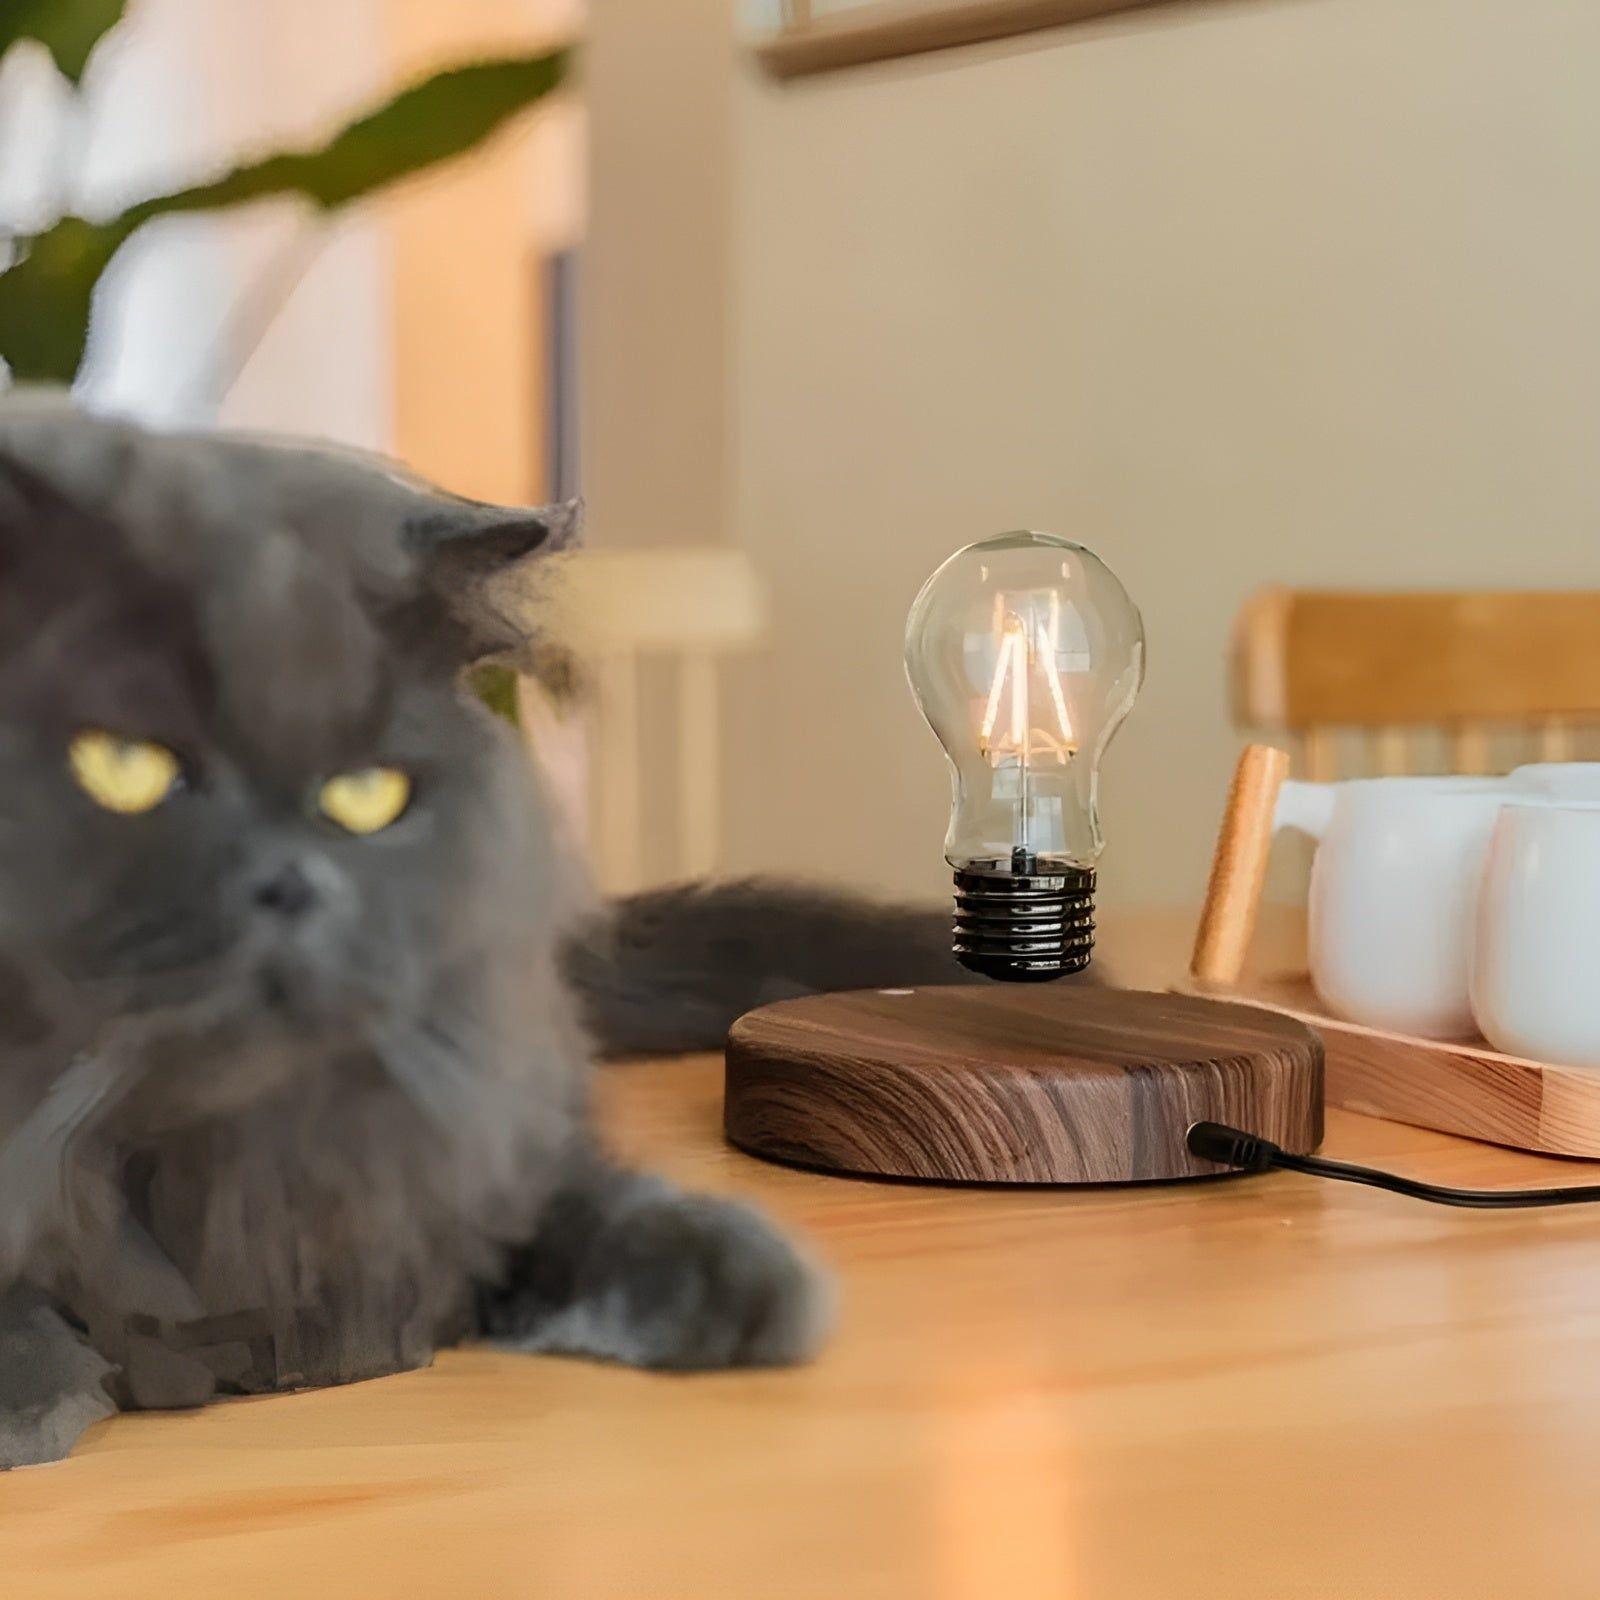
1259,1386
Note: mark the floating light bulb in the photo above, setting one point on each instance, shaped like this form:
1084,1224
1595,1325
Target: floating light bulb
1025,654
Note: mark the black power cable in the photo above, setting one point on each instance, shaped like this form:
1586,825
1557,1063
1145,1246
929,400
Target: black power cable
1229,1147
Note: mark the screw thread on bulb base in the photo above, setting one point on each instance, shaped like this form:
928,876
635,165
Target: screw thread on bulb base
1024,927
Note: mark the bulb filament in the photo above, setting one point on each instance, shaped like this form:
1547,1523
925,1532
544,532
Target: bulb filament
1022,654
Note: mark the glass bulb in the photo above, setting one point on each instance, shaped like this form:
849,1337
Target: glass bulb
1025,655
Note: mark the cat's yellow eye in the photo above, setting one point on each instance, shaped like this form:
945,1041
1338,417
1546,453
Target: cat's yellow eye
127,776
366,801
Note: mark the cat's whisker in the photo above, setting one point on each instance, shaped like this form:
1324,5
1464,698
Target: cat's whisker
316,1085
36,1159
429,1067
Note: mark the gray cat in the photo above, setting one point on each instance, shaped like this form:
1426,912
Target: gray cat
296,988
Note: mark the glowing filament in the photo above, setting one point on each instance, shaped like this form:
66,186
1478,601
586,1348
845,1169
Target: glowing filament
1014,661
1052,676
1011,645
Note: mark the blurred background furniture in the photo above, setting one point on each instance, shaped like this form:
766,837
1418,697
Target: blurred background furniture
1360,683
795,38
649,629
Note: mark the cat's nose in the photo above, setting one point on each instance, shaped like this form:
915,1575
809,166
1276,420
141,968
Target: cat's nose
288,891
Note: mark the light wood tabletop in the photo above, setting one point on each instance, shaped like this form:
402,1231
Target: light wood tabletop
1261,1386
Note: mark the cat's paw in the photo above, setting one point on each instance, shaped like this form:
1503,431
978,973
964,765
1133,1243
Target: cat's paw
47,1433
52,1384
691,1284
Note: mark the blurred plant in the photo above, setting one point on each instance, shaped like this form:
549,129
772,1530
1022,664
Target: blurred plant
48,282
47,286
68,29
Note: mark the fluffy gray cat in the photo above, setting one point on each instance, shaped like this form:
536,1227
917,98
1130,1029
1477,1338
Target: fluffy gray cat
296,987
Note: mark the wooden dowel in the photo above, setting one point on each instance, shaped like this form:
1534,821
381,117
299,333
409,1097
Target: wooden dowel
618,848
1239,868
1469,748
697,764
1318,754
1392,751
1555,739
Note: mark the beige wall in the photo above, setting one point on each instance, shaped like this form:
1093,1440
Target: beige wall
1292,290
656,404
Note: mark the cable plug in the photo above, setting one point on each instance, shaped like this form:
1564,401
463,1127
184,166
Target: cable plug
1228,1147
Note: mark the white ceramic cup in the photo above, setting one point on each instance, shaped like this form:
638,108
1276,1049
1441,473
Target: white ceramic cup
1536,970
1565,780
1394,890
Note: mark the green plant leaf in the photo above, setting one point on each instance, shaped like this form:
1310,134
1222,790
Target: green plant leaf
496,686
45,296
432,121
68,29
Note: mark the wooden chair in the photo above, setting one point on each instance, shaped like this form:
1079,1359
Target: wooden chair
1425,682
679,611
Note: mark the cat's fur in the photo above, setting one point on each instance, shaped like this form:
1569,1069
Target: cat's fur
251,1139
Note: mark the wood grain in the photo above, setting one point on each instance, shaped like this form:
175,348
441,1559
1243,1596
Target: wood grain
1307,658
1014,1084
1238,867
1263,1387
1362,683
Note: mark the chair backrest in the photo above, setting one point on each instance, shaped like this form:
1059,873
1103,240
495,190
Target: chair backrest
1424,682
680,610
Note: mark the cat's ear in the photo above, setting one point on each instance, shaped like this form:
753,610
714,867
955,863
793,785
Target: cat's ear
485,562
32,514
466,541
22,495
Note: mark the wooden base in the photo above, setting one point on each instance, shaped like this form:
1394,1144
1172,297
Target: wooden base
1007,1084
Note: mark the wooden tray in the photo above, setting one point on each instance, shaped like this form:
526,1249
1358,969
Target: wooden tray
1462,1088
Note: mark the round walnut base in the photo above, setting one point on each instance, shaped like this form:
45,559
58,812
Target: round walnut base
1017,1084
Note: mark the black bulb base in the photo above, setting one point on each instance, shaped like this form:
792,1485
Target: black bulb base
1025,926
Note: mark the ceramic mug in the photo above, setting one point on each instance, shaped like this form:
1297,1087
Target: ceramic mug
1566,780
1536,970
1394,889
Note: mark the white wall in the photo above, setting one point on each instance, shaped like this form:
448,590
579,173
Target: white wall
1296,290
